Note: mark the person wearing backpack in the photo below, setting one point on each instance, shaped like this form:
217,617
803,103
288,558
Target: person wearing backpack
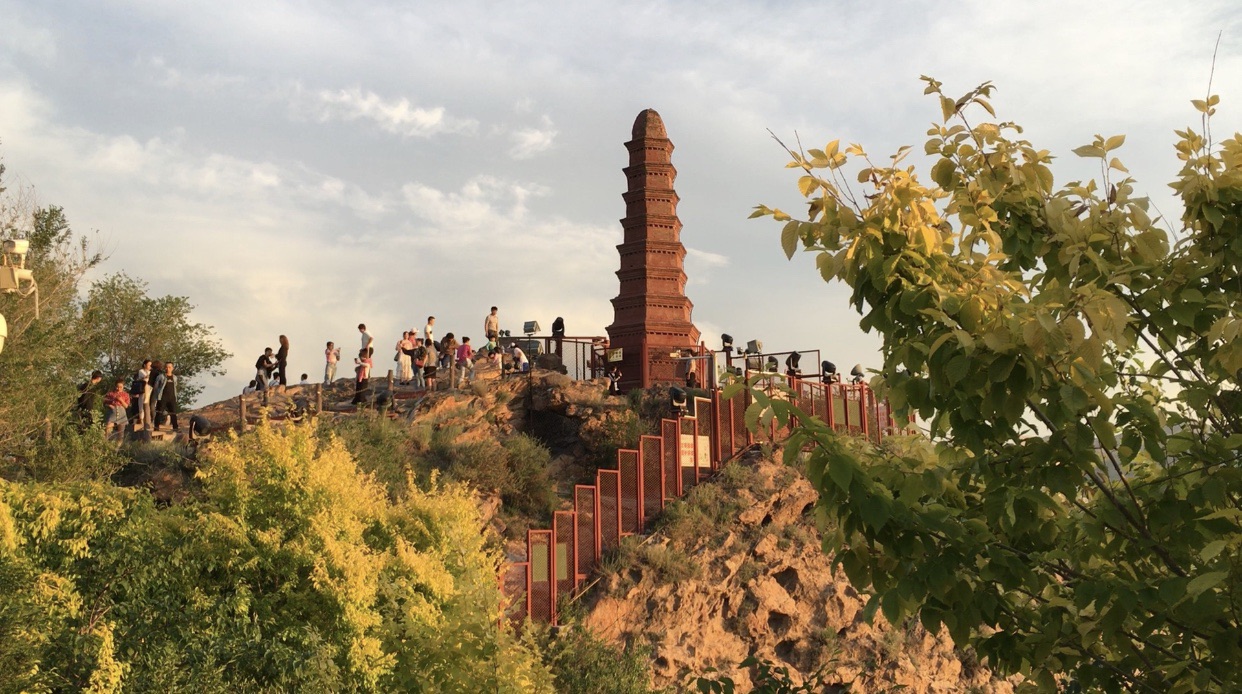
140,405
420,360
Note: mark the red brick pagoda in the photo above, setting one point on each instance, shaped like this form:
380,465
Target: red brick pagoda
651,314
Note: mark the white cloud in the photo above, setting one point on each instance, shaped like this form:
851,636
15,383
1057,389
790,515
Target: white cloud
527,142
278,207
706,258
396,116
170,77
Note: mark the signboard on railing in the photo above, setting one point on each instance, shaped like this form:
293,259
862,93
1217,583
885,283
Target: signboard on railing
687,451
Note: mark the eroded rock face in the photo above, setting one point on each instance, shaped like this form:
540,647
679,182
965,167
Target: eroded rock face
764,587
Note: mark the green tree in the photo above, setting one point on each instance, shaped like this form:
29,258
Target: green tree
290,571
43,357
1074,514
123,325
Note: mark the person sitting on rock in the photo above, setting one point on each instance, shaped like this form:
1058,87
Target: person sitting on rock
520,362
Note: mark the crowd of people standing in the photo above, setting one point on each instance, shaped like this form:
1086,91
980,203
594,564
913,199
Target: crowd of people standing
418,356
146,402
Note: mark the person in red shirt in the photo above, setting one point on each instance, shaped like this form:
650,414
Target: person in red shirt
116,402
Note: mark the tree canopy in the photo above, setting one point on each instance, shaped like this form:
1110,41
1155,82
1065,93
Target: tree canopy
59,336
289,570
1073,513
123,325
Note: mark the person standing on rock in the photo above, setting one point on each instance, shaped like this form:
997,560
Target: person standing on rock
447,350
331,356
362,376
368,342
167,402
405,369
465,363
137,389
282,361
429,373
429,340
448,357
420,360
262,369
491,325
155,385
116,403
88,399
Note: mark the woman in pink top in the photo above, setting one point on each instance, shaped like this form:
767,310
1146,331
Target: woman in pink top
465,360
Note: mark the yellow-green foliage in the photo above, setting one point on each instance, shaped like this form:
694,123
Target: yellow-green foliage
293,571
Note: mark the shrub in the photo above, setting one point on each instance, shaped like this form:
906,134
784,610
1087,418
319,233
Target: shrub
381,447
604,437
582,662
531,490
292,572
517,469
69,455
706,512
669,564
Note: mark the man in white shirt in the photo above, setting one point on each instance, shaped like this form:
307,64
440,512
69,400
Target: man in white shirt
429,340
367,340
520,362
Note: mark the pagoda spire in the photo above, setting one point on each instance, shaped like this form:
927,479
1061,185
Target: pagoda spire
651,314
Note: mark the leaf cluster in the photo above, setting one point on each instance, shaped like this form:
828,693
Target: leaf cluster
1074,512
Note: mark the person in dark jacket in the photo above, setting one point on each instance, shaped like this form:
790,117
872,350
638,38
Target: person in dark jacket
263,367
155,379
88,399
282,360
166,397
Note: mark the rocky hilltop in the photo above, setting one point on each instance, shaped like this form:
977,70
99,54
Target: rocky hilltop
734,570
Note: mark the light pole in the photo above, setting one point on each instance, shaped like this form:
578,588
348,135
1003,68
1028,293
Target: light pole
13,274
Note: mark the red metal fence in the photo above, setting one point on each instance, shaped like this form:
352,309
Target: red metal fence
688,450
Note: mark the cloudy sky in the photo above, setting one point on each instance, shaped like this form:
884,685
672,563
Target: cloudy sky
302,167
